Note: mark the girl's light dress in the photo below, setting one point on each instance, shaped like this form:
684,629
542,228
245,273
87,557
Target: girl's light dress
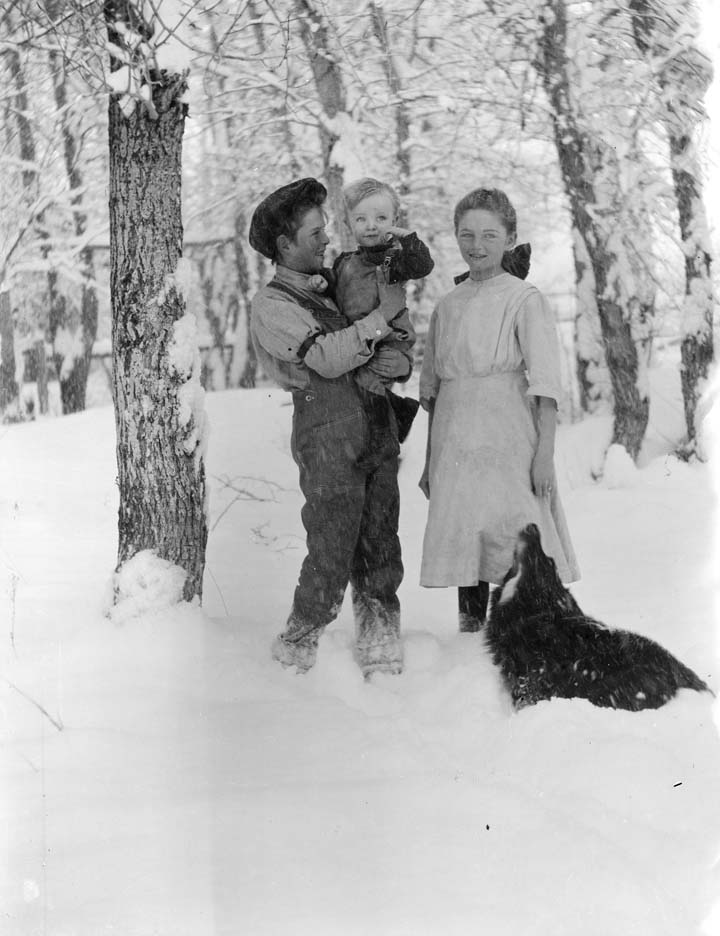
491,348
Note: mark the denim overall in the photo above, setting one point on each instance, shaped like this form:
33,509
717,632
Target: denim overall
352,502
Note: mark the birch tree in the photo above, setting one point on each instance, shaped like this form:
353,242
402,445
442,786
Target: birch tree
398,103
589,173
8,383
324,58
666,32
30,206
72,339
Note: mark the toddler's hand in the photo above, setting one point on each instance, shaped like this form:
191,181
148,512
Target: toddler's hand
392,299
398,232
388,363
317,283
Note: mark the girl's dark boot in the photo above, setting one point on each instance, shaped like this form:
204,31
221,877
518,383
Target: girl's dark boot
472,606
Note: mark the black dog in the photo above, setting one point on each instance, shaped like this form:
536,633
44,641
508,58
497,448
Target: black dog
547,648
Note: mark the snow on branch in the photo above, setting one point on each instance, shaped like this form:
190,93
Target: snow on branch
146,40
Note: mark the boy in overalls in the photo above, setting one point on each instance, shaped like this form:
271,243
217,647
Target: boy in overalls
351,508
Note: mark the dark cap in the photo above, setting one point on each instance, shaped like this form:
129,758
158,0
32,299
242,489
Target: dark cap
271,217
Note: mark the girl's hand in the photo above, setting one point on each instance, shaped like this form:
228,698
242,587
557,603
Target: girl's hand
424,482
398,231
542,475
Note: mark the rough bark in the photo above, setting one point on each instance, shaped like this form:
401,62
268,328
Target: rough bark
581,160
161,473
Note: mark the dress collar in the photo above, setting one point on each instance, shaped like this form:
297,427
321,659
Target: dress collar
466,278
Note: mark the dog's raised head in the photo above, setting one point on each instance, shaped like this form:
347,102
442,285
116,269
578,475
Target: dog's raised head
533,577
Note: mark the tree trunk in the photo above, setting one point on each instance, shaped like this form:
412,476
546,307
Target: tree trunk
402,114
249,373
56,301
41,376
280,107
73,373
697,349
581,162
684,75
161,472
8,384
589,357
333,101
207,266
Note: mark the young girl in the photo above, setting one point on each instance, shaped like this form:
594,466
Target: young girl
396,255
491,382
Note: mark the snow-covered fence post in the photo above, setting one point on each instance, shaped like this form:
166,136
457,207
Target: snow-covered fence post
158,400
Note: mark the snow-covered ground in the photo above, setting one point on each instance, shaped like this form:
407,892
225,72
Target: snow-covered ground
197,788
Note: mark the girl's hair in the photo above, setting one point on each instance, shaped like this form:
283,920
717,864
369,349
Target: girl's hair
355,192
494,200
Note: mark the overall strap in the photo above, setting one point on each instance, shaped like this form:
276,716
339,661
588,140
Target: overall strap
328,319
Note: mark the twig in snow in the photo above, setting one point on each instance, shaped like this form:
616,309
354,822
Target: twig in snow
222,598
245,494
261,537
14,579
57,723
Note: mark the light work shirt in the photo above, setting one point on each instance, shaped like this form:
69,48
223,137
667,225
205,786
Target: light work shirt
281,329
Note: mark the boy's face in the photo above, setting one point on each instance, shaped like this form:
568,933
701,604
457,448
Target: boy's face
306,251
371,219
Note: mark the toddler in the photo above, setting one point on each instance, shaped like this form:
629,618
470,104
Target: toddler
395,255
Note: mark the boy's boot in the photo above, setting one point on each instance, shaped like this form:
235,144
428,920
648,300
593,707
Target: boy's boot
378,648
297,646
472,606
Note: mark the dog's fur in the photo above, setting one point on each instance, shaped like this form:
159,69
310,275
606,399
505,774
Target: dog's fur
547,648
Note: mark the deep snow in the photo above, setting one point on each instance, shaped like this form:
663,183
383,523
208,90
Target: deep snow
197,788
